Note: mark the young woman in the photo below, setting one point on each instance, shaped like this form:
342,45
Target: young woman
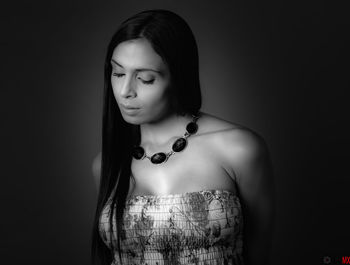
176,185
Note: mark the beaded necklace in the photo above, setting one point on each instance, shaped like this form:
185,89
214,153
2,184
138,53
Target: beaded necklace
179,145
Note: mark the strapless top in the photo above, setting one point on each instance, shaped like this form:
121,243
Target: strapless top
202,228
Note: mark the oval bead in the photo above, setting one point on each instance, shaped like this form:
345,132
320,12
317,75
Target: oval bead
158,158
138,152
179,145
192,127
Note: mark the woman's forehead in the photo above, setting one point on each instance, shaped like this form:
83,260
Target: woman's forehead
136,54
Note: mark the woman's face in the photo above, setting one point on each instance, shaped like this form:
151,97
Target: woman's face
140,81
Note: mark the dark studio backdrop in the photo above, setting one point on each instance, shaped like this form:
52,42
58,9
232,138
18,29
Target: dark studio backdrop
280,68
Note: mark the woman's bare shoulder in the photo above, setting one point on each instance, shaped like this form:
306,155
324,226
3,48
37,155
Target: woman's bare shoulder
231,139
210,124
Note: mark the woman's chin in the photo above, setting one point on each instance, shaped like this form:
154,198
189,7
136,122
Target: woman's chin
135,120
138,117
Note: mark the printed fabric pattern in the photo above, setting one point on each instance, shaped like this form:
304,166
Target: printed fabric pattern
201,228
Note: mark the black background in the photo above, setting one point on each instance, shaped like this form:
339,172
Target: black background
280,68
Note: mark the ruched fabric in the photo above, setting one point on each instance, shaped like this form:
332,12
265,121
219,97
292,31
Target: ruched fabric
202,228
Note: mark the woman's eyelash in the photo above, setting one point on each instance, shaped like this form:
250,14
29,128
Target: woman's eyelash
148,82
117,75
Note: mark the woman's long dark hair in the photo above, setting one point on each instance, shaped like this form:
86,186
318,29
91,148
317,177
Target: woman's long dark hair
173,40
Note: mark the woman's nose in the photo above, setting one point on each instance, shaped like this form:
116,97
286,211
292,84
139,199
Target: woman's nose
128,88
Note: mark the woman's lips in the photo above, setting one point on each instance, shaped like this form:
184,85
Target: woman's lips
129,109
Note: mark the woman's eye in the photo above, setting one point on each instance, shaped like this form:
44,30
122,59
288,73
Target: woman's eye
147,82
117,75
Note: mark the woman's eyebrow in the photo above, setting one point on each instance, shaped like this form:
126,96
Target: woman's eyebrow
115,62
139,69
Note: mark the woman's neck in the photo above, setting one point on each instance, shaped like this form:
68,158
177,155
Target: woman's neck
163,131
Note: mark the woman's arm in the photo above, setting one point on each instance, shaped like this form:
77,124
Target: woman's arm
250,161
96,169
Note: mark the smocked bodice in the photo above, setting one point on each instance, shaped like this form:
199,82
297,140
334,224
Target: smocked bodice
202,228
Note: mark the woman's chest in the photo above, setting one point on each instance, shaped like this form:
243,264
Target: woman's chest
198,167
210,217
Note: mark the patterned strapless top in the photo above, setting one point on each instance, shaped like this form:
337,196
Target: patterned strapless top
202,228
